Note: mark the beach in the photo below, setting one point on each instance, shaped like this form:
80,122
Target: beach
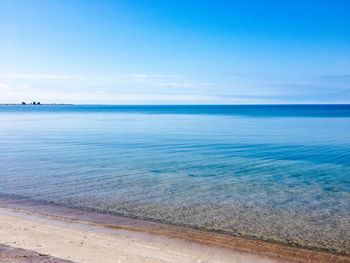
84,243
86,236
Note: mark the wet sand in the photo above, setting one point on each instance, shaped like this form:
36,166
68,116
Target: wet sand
86,236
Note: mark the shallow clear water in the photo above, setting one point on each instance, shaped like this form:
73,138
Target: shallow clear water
269,172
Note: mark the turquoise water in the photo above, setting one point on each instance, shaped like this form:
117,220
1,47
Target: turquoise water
269,172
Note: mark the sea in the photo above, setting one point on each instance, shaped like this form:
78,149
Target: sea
279,173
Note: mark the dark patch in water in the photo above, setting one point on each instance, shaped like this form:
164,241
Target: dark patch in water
330,189
157,171
202,175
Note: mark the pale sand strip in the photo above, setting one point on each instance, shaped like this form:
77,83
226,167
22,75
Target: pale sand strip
87,243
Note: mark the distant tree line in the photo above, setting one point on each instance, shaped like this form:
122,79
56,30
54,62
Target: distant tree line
33,103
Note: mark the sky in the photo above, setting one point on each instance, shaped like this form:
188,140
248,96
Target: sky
175,52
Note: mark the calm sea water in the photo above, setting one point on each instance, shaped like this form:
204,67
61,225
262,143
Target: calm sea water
269,172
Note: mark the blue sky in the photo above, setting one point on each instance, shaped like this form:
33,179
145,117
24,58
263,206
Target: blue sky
175,52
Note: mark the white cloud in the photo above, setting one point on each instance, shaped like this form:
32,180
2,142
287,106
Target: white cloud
149,76
139,75
164,76
152,78
4,86
182,85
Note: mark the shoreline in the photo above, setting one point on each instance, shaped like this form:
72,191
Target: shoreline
110,224
88,242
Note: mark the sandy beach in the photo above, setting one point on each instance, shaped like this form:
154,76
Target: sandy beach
83,243
67,238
